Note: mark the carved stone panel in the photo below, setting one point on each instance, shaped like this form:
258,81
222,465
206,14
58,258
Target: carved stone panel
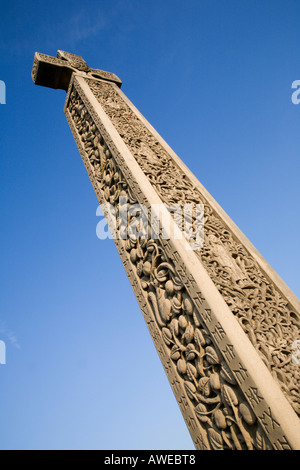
270,322
222,406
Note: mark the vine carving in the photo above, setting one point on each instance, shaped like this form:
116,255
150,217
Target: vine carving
223,413
264,314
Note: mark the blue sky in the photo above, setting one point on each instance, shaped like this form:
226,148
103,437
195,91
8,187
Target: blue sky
214,78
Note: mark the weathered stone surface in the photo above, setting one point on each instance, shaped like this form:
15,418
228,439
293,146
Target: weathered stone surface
222,321
56,72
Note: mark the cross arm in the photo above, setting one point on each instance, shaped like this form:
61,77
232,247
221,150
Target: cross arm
56,72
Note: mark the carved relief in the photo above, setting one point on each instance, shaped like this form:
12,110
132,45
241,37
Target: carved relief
74,60
208,391
34,70
266,317
65,61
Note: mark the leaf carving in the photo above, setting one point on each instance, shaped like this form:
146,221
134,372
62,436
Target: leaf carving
215,381
181,366
175,352
190,352
247,413
190,389
220,419
202,413
212,355
226,374
203,384
167,336
189,334
182,321
260,440
191,371
215,439
199,338
229,397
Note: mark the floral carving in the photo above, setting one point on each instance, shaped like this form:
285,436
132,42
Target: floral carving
264,314
222,412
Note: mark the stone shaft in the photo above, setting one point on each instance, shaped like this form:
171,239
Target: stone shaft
223,323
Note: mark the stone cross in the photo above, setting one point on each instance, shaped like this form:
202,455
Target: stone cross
225,326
